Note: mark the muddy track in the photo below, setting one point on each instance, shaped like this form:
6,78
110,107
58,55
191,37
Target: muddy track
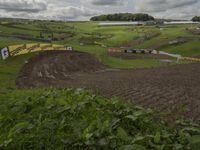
172,89
123,55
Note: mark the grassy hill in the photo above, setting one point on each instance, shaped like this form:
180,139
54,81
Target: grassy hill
77,119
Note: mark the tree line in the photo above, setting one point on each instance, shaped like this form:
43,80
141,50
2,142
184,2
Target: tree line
196,19
123,17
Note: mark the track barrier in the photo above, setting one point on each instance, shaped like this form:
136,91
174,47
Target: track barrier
15,50
191,59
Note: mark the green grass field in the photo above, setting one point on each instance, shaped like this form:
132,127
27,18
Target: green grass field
79,119
190,49
118,36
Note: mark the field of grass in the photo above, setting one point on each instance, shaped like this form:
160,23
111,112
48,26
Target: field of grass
11,41
188,49
77,119
119,35
8,72
10,67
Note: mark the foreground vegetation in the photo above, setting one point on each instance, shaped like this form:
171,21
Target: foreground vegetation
78,119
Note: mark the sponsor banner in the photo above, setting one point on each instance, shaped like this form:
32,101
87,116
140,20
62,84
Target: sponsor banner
59,47
46,46
113,50
190,59
17,49
32,47
5,53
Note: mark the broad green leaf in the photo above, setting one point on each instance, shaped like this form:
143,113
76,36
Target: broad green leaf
142,139
18,128
6,143
139,113
121,133
178,146
102,142
133,118
191,129
157,137
195,142
132,147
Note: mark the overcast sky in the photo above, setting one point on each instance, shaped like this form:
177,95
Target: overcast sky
84,9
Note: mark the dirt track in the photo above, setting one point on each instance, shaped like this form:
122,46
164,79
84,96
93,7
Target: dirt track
172,89
123,55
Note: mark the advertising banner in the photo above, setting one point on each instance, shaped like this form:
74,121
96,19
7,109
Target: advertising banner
5,53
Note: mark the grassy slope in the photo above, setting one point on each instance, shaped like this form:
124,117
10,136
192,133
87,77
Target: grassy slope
33,116
11,30
11,41
169,32
120,35
8,73
10,67
88,27
187,49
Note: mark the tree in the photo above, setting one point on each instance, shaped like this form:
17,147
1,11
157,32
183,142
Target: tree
123,17
196,19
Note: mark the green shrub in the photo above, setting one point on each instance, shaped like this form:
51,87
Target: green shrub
78,119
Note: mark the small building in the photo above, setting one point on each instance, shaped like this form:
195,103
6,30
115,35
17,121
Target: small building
113,50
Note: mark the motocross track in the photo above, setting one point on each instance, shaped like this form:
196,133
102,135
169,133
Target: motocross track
173,89
123,55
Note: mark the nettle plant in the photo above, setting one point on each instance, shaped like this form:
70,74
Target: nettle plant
78,119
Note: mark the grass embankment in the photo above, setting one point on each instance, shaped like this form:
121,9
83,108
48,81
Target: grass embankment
77,119
116,62
8,72
188,49
116,37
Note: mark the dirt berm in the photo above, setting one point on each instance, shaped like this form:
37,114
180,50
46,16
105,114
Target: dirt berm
56,65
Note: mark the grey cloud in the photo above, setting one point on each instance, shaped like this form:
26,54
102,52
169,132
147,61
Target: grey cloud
181,9
107,2
162,5
84,9
70,12
23,5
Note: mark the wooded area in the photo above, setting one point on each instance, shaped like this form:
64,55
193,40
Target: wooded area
123,17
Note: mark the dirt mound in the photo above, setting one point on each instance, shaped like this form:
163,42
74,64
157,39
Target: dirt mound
56,65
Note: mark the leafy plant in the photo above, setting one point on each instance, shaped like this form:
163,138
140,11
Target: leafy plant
78,119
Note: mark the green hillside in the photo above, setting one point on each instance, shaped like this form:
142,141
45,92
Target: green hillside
78,118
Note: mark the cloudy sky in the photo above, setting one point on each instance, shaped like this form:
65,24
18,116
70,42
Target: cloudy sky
84,9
